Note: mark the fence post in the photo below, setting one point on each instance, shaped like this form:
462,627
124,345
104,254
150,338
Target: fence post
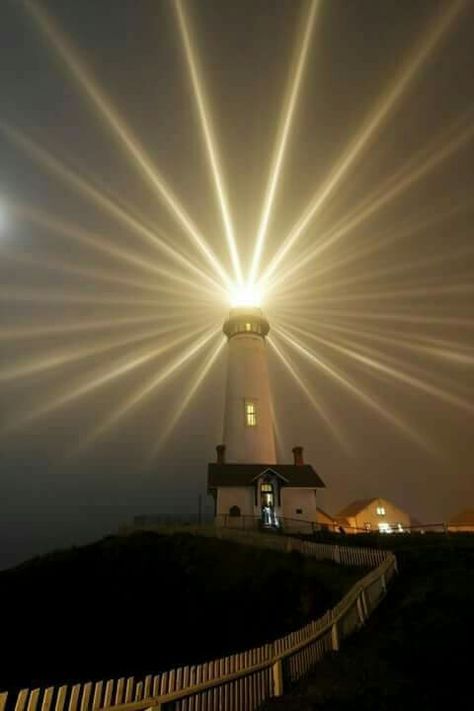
360,608
337,554
334,637
277,671
365,607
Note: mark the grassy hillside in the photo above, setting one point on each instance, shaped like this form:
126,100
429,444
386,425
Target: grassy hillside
415,652
148,602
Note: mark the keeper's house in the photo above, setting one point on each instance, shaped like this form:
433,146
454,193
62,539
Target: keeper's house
247,495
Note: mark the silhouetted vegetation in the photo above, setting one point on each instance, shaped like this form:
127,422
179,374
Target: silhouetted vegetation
146,602
415,652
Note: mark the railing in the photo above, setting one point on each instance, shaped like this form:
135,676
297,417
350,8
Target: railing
239,682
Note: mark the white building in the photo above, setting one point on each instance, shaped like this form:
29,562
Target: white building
247,483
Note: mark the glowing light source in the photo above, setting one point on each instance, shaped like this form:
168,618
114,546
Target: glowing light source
246,295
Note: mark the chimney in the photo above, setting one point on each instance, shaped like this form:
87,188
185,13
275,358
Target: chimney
220,449
298,455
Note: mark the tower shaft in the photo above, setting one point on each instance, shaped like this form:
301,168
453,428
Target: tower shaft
248,418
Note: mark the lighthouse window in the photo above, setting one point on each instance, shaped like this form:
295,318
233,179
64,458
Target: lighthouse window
250,413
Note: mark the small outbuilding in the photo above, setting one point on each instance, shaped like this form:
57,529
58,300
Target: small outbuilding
373,515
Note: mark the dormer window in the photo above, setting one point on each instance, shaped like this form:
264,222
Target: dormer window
250,413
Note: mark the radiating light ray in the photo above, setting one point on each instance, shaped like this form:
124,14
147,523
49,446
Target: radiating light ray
106,375
436,347
209,139
398,187
371,276
422,291
340,438
370,247
15,333
372,123
408,317
53,165
125,138
201,375
282,140
360,394
138,397
49,295
103,246
391,372
98,275
33,365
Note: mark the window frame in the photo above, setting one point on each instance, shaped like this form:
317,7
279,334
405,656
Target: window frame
250,413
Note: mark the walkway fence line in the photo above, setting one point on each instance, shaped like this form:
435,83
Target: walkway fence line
242,681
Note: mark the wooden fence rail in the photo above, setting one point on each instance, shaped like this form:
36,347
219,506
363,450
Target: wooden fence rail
243,681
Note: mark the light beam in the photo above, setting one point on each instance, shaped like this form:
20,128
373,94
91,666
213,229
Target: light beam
360,394
339,437
282,140
209,139
372,123
125,138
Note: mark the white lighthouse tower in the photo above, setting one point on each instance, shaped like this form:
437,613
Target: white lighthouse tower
248,486
248,422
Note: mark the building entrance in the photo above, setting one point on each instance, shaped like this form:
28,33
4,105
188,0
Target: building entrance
267,498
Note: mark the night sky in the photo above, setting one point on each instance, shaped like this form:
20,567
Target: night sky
387,305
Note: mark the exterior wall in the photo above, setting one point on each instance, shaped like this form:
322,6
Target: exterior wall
296,498
247,379
393,516
243,497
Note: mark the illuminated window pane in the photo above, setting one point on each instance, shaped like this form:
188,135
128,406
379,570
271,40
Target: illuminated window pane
380,511
267,487
250,413
248,326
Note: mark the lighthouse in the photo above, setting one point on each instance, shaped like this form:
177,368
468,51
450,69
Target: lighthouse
248,416
249,486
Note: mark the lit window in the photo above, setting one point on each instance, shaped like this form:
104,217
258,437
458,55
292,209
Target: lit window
248,326
385,528
380,511
250,413
266,487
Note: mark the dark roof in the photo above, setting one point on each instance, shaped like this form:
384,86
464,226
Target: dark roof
302,475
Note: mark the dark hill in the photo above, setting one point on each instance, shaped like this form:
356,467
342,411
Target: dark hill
143,603
416,650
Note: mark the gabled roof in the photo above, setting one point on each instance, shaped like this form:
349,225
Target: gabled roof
355,507
464,517
273,472
297,475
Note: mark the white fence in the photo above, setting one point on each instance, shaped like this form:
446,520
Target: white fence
239,682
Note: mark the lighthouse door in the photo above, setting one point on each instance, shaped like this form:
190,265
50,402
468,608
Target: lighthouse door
267,499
